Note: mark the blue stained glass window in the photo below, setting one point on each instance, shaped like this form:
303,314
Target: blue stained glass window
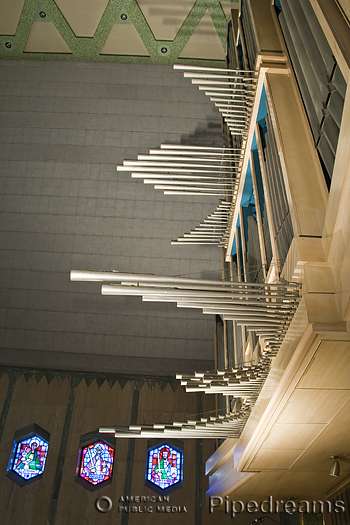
30,457
164,467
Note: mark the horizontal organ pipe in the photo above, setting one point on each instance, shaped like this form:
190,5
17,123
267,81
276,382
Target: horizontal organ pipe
121,289
203,190
203,284
207,153
167,170
201,148
188,159
184,183
141,175
238,76
199,68
254,300
152,164
183,192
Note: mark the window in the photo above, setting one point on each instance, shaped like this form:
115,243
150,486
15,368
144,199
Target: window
164,469
28,455
95,462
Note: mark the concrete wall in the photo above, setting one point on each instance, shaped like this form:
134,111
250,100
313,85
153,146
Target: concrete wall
72,404
64,128
67,408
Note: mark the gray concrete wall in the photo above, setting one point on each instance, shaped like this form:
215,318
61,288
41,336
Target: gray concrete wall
64,127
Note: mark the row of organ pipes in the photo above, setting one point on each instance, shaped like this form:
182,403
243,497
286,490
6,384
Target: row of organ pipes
264,309
185,176
214,229
194,170
201,170
232,91
188,170
219,427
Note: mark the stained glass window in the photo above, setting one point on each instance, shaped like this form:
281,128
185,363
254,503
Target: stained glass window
164,468
28,456
96,462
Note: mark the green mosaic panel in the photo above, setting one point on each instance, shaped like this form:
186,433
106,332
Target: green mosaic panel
89,49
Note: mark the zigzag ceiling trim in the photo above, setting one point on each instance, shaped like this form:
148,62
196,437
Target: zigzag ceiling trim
96,26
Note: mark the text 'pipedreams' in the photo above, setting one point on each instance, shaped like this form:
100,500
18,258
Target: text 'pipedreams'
268,506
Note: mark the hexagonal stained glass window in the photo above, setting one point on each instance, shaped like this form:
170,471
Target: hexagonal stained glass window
96,462
164,470
28,456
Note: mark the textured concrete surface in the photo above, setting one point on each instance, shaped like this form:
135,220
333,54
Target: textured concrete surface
64,127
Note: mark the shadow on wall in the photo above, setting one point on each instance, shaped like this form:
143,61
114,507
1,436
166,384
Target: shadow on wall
208,134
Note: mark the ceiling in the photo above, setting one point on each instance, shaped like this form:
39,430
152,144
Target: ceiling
141,31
